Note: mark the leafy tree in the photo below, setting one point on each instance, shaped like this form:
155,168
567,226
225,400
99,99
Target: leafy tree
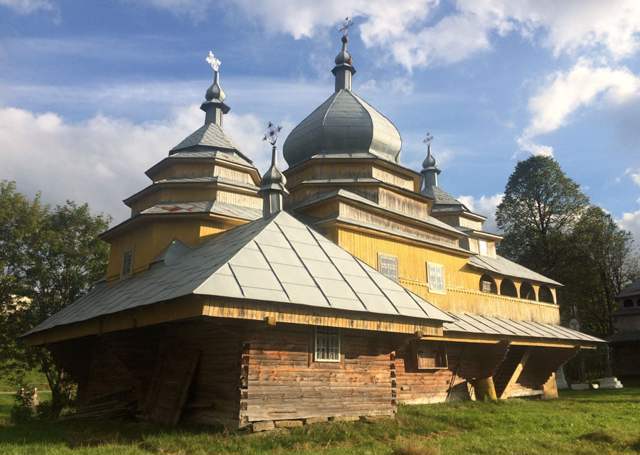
606,263
50,257
540,205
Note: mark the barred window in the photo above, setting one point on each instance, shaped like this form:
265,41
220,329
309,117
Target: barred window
388,266
127,263
327,345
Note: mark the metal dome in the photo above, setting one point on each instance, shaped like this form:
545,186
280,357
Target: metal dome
343,124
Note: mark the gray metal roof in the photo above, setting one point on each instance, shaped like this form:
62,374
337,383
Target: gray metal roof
208,135
491,325
630,290
215,207
363,200
236,156
279,259
343,124
441,197
504,266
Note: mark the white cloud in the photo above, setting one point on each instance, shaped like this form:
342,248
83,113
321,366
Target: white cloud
101,160
486,206
567,92
28,6
634,175
630,221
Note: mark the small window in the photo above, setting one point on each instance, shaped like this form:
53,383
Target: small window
431,356
127,263
327,345
483,248
435,277
388,266
627,303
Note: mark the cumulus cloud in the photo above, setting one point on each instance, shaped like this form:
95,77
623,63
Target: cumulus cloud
28,6
634,175
486,206
101,160
566,92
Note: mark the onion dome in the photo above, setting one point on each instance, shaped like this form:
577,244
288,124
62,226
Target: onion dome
344,124
429,170
273,186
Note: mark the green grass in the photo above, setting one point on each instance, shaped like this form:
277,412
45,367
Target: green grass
584,423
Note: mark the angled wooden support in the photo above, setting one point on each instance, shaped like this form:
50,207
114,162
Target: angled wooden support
515,375
485,389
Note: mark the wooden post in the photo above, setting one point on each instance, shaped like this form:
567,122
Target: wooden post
516,374
485,389
550,388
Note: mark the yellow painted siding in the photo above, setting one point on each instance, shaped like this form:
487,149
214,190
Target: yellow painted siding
462,281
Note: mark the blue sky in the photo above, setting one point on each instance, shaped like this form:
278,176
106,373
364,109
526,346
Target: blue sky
92,93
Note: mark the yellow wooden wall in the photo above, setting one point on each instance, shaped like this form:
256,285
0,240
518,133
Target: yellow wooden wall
462,281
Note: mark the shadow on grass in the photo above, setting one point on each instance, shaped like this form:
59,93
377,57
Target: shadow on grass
93,433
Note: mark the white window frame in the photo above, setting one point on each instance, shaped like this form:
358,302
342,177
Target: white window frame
124,274
332,335
483,247
395,260
432,278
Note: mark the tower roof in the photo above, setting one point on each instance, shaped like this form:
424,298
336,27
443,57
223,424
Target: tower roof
344,123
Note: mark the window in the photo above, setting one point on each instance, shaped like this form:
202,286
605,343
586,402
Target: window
327,347
435,277
482,248
388,266
431,356
127,263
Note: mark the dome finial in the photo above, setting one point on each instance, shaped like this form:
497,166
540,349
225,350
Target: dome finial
273,183
344,64
214,105
429,169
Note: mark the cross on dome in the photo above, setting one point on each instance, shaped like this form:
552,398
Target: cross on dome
271,135
346,25
213,61
428,139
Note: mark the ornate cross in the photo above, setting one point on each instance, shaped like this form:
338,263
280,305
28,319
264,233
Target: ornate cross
271,135
428,139
346,24
213,62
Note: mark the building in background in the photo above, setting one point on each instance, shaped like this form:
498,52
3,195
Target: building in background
625,342
336,289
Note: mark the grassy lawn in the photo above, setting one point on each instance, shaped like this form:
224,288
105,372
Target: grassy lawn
598,423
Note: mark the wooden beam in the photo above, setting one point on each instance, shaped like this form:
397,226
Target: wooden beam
462,340
516,374
485,389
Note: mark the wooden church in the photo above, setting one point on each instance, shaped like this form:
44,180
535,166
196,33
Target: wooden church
337,289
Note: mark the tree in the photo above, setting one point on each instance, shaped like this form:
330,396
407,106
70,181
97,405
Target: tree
604,252
51,257
540,205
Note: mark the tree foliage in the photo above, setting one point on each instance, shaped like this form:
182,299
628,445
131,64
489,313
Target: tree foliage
550,227
540,205
48,258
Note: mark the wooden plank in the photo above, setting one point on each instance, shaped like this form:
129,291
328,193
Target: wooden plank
516,374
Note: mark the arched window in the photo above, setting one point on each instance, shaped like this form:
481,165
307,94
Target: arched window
508,288
545,295
628,303
488,284
526,291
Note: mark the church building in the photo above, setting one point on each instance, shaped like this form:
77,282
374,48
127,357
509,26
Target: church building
338,288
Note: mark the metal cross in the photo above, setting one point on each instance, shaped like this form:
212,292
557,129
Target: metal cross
271,135
346,24
428,139
213,62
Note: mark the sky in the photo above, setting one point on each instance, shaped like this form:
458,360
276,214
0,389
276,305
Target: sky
93,93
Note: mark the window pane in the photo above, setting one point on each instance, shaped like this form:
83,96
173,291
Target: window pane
327,346
388,266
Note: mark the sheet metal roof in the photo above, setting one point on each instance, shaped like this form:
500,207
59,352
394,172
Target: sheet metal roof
504,266
278,259
216,207
208,135
491,325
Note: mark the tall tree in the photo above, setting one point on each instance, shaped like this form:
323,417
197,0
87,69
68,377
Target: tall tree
606,263
540,206
52,257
